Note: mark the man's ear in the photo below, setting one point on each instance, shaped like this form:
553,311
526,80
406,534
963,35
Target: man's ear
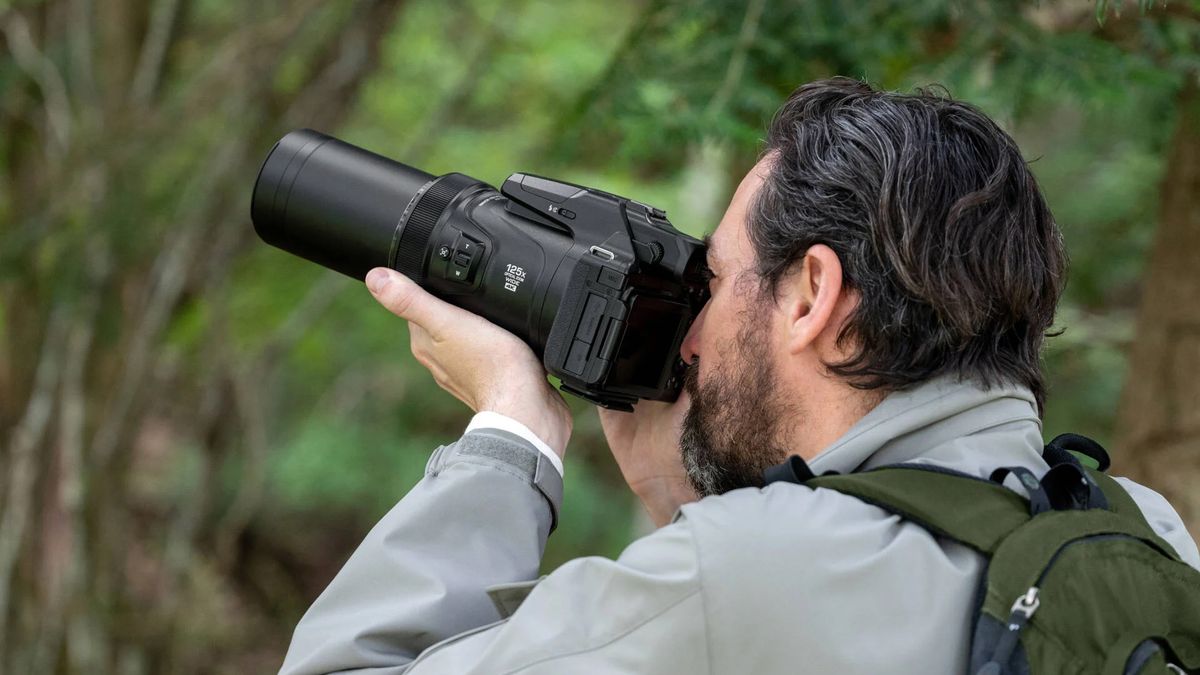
809,298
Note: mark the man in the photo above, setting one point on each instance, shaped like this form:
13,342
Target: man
881,284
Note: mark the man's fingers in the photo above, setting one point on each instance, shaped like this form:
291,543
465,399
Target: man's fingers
407,300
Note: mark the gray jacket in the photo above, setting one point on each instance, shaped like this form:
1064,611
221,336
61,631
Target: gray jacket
776,580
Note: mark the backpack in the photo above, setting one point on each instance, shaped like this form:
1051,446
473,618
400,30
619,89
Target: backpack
1076,582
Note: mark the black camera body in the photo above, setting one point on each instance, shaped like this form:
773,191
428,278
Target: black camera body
602,287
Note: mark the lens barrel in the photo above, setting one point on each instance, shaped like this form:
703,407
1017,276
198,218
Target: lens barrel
332,203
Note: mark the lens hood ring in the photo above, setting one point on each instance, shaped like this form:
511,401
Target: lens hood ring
416,225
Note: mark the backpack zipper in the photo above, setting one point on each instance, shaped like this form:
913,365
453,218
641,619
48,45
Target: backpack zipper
1022,609
1028,603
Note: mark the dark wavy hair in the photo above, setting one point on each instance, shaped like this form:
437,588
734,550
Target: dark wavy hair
937,221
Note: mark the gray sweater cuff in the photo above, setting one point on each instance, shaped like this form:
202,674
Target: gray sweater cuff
509,453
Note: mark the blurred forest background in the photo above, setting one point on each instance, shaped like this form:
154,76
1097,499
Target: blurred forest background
196,429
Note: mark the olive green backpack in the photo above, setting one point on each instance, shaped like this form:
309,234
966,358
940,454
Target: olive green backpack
1077,581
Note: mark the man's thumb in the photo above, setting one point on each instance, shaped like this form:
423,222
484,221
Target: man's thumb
401,296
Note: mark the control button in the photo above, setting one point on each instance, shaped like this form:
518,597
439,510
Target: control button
611,278
567,213
465,256
650,252
444,252
577,357
593,311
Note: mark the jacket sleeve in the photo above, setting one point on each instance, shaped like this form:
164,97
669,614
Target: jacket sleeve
479,517
641,613
414,598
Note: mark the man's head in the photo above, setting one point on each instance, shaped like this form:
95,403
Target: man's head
882,240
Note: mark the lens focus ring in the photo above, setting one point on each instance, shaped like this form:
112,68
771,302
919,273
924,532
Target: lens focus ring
410,251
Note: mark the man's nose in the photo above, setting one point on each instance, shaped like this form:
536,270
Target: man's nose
689,349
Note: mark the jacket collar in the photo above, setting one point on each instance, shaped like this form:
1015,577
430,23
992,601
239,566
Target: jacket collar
947,422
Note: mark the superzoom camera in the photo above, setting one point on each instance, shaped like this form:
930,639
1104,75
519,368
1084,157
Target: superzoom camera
602,287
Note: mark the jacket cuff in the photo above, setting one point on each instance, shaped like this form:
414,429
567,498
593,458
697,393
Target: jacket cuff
510,453
487,419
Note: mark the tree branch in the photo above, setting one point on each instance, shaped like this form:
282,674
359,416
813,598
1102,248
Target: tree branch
80,19
168,276
737,60
26,437
456,99
39,68
252,386
631,41
153,55
338,72
72,416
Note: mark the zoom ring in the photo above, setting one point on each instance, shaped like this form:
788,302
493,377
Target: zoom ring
414,237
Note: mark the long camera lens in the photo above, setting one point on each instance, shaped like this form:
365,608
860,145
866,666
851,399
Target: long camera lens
332,203
351,210
600,286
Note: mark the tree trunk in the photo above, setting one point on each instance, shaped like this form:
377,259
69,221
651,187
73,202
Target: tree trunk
95,576
1159,418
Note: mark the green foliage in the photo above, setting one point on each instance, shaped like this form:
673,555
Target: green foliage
316,393
658,95
346,468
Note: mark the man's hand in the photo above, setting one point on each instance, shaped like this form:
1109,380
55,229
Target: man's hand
645,444
480,363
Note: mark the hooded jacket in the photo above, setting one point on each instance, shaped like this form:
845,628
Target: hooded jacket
783,579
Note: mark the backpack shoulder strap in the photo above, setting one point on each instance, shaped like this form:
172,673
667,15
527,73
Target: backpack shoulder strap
1119,500
1122,504
970,510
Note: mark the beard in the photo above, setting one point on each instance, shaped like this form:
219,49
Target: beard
731,433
